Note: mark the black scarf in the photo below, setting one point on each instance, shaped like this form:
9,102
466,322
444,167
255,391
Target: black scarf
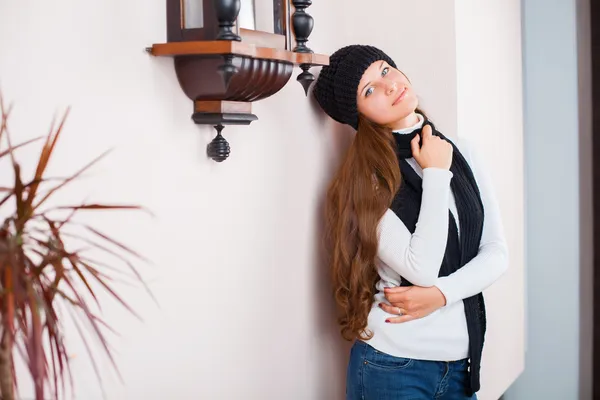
459,251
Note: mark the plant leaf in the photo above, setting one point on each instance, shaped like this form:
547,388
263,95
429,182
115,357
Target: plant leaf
47,150
73,260
110,290
69,179
100,207
15,147
116,243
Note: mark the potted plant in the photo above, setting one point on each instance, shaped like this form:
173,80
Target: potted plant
42,274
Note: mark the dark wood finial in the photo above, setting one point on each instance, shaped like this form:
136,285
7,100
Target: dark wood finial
302,24
227,69
227,12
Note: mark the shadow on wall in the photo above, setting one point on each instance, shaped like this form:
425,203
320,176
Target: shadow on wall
330,380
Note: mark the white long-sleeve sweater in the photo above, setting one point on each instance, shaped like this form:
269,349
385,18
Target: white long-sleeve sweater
442,335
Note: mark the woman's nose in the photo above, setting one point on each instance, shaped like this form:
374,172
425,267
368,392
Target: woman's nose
391,87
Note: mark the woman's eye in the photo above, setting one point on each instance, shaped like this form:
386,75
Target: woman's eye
385,71
369,91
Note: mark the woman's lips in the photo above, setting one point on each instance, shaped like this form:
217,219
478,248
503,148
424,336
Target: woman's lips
399,99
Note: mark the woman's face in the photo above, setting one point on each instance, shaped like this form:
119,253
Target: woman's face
386,97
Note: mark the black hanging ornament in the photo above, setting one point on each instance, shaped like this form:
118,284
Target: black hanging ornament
218,149
305,78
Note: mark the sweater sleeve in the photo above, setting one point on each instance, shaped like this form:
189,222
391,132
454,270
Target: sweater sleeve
418,257
492,259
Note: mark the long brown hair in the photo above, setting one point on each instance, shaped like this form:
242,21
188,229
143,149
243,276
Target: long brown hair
361,191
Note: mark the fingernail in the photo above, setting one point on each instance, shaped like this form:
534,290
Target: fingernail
380,305
387,320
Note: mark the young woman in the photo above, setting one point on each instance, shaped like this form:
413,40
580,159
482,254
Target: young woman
415,236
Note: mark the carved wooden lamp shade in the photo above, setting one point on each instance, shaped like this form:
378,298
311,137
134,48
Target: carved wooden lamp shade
224,66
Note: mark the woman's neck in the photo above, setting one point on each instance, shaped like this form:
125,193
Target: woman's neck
405,122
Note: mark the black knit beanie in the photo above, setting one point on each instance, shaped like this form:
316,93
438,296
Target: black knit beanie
336,87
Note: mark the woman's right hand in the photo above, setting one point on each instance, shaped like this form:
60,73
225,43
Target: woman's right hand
435,152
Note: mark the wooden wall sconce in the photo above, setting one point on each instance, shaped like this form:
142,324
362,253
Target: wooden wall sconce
224,63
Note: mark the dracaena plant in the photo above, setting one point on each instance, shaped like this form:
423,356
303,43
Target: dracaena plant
44,279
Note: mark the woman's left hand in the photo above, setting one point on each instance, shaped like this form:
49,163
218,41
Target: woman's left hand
412,302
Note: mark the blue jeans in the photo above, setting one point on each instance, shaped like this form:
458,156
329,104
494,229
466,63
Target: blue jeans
373,375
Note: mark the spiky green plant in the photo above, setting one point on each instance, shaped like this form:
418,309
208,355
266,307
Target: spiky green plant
43,278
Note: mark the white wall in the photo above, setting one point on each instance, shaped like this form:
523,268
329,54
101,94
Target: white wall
245,310
488,53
